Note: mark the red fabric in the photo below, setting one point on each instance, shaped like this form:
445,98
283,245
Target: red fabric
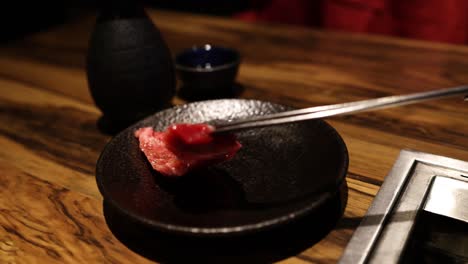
436,20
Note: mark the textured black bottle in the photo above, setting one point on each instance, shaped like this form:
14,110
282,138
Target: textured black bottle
129,66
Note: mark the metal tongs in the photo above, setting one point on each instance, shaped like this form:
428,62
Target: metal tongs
318,112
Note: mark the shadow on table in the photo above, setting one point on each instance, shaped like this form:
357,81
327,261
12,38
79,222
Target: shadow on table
262,247
190,95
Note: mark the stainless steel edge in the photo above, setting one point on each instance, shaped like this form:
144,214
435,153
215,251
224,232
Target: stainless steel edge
448,197
368,231
385,229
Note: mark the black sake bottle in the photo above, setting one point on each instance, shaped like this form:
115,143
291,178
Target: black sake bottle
129,66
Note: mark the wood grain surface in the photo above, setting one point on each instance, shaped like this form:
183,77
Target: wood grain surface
50,207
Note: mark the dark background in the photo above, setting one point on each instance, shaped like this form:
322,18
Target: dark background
19,17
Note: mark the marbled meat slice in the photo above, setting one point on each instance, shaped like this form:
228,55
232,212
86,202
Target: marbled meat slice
183,147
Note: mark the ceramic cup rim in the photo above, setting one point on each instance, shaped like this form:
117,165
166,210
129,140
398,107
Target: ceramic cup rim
228,65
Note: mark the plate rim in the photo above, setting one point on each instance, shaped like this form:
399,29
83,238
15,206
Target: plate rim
220,231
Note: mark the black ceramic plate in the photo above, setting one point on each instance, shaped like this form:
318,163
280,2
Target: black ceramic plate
281,173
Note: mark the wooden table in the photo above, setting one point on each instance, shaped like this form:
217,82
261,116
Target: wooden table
51,209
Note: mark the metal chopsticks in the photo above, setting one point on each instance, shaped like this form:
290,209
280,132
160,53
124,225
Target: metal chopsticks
338,109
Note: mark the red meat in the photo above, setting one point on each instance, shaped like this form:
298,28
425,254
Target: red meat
183,147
